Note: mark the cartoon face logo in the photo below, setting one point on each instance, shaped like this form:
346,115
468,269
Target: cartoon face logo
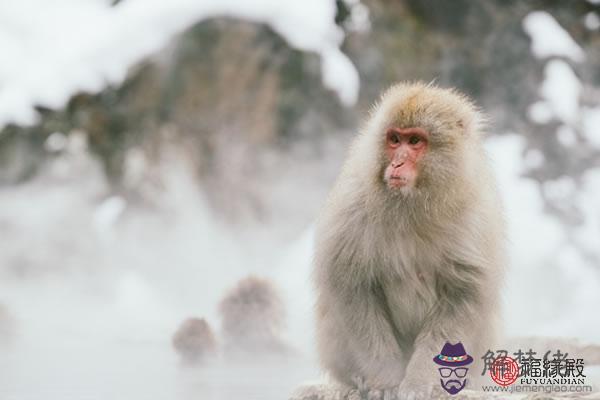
452,360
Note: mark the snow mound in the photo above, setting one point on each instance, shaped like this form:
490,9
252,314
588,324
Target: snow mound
51,50
549,39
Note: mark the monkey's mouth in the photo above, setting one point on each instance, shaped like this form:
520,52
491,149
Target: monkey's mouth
397,181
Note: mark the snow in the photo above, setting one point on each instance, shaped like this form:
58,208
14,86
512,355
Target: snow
547,258
549,39
86,45
554,259
561,90
338,72
588,199
566,136
559,190
56,142
591,125
591,21
108,213
359,16
543,258
533,159
539,112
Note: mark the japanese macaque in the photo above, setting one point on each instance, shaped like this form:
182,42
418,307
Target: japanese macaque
194,341
252,319
409,249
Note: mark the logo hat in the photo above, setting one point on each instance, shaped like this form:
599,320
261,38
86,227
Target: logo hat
453,355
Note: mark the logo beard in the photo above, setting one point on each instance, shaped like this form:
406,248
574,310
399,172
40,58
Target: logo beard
453,386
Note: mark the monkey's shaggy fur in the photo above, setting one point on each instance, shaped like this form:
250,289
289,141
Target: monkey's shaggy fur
400,272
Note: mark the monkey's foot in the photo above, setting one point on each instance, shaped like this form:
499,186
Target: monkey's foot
382,394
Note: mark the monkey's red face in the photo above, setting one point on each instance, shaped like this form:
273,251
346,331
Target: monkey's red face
404,148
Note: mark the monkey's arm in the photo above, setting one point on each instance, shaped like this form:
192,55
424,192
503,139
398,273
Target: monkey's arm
357,339
463,313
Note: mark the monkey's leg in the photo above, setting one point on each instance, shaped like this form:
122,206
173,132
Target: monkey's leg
357,341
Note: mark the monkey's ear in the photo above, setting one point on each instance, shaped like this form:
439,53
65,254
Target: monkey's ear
472,123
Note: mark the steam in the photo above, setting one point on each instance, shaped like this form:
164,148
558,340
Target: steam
99,283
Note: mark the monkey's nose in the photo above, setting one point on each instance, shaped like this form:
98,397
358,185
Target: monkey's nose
397,164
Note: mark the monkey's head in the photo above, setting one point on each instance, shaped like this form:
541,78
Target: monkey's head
421,135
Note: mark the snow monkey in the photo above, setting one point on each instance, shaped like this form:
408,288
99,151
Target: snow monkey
253,318
195,341
409,248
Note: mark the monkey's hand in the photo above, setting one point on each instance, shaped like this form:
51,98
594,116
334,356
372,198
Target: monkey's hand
420,378
411,389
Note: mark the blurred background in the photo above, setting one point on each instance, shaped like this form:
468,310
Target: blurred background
154,153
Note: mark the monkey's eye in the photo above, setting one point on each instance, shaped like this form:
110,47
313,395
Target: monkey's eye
414,139
393,138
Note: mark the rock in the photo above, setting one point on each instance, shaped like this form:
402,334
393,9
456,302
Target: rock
323,391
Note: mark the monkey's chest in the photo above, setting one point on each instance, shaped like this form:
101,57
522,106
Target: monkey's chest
409,303
406,268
